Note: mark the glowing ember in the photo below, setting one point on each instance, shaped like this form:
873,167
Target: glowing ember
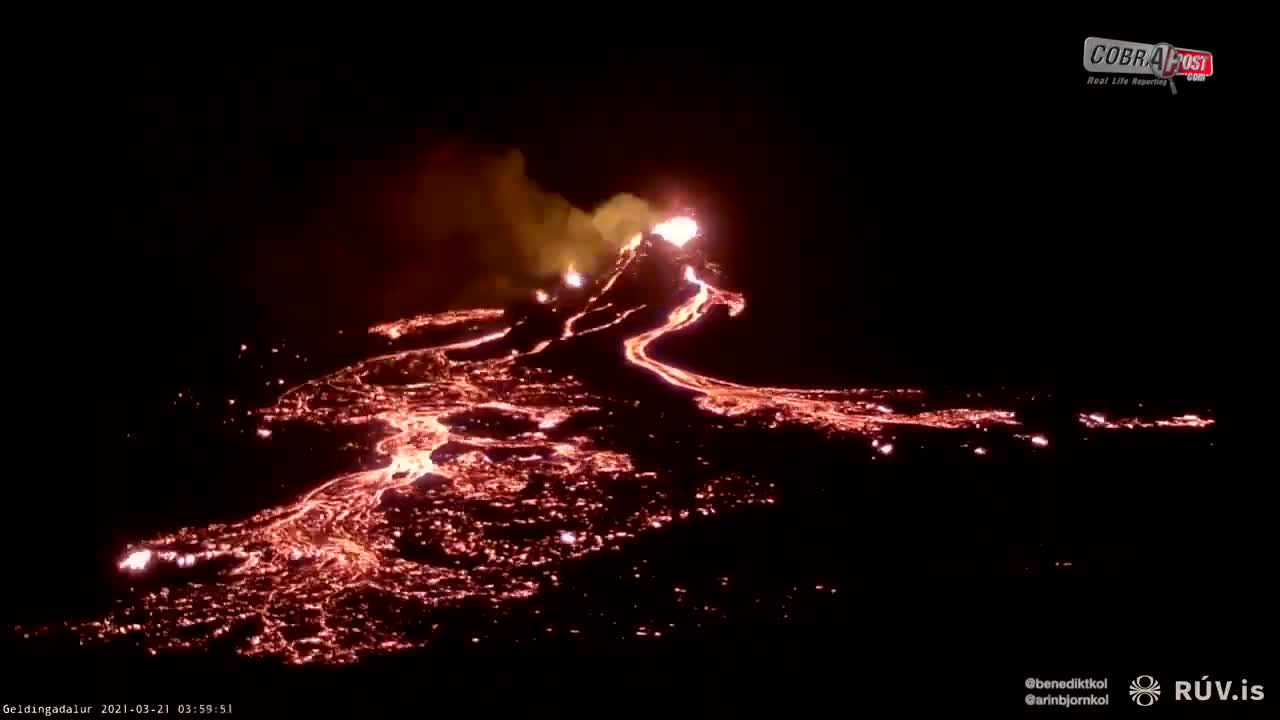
137,560
677,231
541,296
399,328
885,449
1039,441
573,278
979,451
1099,421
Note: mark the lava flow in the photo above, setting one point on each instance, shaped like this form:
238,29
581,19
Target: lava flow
493,469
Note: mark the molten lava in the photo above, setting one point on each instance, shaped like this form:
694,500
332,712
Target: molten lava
677,231
491,472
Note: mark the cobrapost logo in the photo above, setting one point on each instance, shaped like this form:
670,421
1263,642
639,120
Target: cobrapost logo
1144,690
1161,62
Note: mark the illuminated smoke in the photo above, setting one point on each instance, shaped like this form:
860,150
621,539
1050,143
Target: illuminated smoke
482,205
453,226
621,218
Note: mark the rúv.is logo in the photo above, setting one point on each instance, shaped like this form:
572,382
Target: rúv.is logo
1206,690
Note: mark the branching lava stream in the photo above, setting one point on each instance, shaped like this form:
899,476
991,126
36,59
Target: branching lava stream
495,471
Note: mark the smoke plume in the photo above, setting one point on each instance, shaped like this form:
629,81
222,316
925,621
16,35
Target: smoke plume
510,233
454,226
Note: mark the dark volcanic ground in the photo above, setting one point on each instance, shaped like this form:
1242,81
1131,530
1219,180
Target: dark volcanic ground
931,566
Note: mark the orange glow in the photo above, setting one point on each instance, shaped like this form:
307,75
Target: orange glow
1099,421
477,465
541,296
399,328
137,560
677,231
573,278
625,256
843,410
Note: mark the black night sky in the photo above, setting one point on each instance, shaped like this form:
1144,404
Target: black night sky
1002,224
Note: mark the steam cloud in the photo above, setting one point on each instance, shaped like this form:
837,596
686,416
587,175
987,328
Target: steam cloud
459,226
514,235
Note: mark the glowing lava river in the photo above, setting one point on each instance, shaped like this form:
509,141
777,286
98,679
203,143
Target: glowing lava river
494,469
